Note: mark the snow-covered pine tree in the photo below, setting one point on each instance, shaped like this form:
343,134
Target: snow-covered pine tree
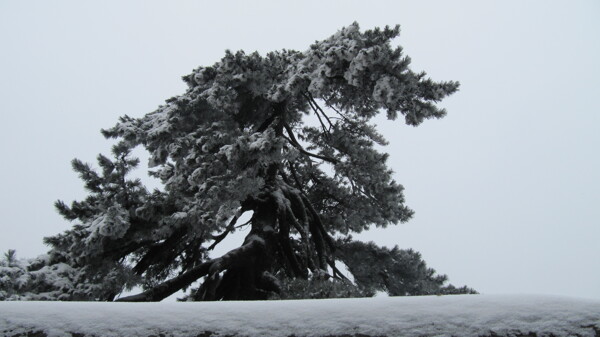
238,141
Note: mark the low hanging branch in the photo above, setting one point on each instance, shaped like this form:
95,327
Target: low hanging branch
168,288
210,268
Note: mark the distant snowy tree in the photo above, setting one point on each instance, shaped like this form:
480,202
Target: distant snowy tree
238,141
32,279
10,272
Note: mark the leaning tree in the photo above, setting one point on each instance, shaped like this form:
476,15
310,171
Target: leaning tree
285,136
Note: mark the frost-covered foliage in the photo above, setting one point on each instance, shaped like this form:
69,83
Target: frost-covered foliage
238,141
35,279
398,272
11,271
85,262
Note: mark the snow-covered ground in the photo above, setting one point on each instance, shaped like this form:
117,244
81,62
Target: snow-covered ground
468,315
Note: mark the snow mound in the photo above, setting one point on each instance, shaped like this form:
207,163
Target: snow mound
458,315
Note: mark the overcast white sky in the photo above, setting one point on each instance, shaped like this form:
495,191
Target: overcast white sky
505,188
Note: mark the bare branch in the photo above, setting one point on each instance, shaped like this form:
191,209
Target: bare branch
297,145
336,272
229,229
319,108
244,224
314,109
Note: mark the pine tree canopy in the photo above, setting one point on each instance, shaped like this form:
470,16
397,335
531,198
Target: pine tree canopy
286,136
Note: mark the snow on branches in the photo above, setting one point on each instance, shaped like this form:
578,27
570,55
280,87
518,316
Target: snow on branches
238,141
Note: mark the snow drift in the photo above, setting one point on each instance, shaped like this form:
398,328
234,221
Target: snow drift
464,315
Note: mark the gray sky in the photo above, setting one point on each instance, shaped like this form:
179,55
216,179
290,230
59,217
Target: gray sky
505,188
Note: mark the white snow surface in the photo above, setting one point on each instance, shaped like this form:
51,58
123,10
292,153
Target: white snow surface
458,315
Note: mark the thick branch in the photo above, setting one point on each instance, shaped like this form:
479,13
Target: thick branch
235,262
254,243
297,207
212,267
285,217
266,123
298,210
168,288
318,223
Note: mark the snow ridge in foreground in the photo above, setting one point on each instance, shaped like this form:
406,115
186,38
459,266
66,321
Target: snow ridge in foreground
458,315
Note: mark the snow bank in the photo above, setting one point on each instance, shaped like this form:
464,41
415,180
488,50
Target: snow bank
468,315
